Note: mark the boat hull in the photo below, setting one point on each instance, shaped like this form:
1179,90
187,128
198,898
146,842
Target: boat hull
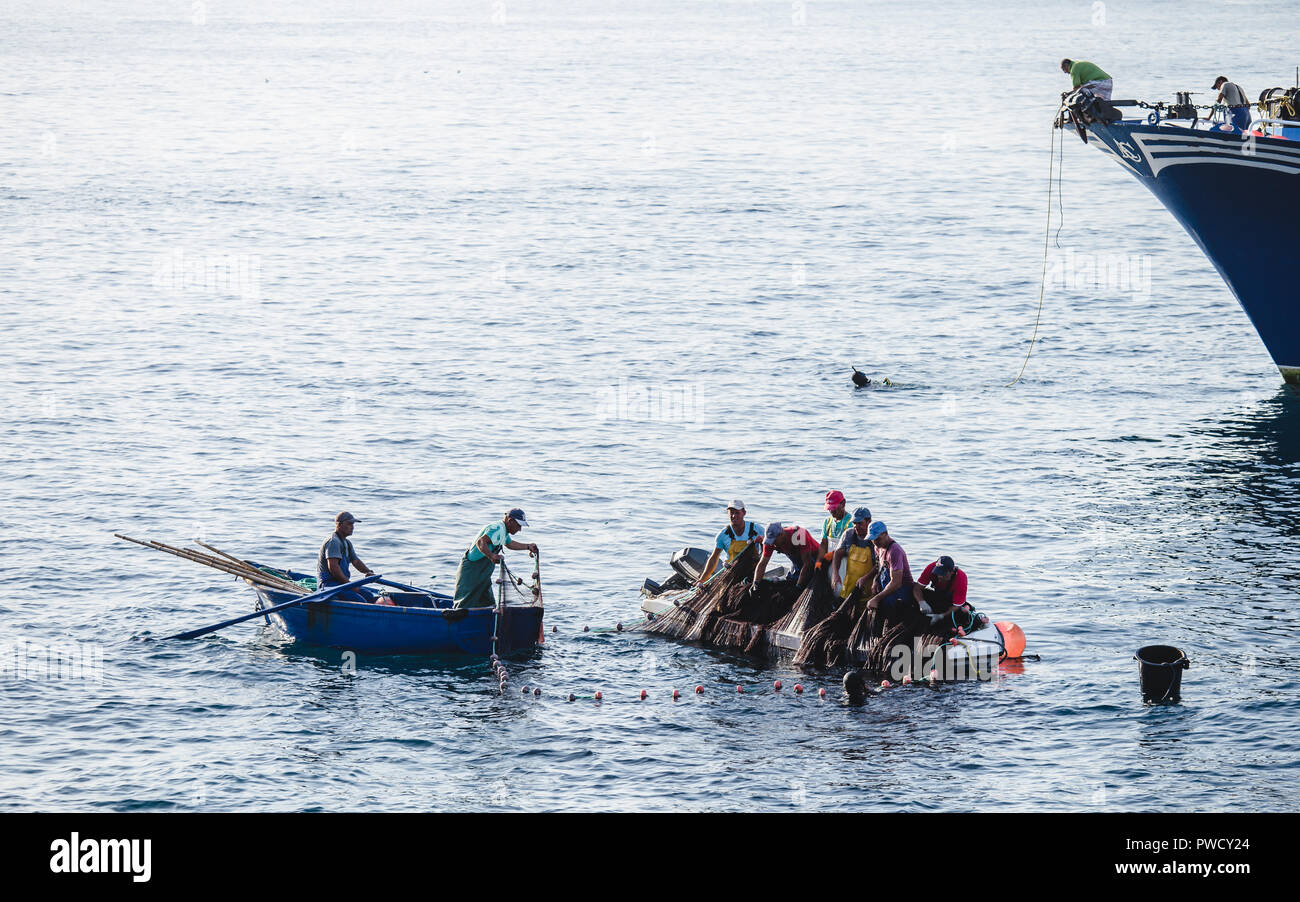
395,630
1238,196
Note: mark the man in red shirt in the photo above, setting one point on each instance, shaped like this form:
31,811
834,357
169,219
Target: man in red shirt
796,543
941,587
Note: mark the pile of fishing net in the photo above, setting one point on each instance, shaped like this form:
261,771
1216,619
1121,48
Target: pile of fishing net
727,614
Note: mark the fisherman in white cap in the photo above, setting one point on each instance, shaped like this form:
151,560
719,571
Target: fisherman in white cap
334,563
474,575
738,535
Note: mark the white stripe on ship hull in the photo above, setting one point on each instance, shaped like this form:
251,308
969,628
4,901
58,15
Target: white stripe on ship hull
1163,151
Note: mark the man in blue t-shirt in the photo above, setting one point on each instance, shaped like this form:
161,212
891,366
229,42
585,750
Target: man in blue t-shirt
733,539
334,563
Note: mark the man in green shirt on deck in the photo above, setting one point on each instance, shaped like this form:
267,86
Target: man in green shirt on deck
1088,75
474,575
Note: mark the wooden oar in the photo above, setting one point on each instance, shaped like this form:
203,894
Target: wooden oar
316,596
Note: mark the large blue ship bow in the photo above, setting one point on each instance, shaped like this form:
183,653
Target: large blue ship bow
1238,195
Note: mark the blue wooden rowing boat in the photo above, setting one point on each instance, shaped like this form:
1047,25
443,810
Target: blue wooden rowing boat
418,622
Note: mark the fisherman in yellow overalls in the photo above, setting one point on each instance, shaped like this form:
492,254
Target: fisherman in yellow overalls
859,553
734,539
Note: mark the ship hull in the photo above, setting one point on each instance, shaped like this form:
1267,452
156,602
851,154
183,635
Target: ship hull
1239,199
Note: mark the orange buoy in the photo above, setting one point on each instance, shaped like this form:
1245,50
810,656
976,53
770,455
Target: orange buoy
1013,638
643,693
821,692
740,688
777,685
597,696
699,690
798,688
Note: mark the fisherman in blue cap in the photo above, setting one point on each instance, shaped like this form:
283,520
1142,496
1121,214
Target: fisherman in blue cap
474,575
894,582
855,546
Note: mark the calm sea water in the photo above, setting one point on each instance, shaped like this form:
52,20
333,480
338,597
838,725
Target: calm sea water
612,262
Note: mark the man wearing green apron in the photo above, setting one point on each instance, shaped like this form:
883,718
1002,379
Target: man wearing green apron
474,575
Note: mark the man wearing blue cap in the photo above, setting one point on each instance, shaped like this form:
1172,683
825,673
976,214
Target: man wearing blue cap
894,583
855,546
474,575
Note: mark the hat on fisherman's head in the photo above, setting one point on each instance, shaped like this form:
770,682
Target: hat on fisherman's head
877,529
774,531
517,514
345,517
834,498
736,505
1218,81
861,514
945,566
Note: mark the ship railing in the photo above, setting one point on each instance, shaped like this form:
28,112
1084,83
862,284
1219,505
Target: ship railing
1259,125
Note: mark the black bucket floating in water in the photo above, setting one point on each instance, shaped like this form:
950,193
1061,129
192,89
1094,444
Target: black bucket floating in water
1162,669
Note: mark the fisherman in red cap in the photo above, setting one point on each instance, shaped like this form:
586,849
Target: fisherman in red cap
838,521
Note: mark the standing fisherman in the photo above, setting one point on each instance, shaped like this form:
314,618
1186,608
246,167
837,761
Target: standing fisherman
334,563
834,526
474,575
732,540
838,521
1231,95
858,551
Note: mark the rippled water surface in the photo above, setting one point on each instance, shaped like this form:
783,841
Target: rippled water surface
612,262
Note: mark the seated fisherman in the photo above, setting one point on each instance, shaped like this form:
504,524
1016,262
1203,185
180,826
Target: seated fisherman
732,540
858,550
941,587
894,582
474,575
334,563
796,543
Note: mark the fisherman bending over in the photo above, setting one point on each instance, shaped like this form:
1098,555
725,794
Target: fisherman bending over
894,584
794,542
941,587
474,575
858,550
733,540
333,564
1234,97
1089,76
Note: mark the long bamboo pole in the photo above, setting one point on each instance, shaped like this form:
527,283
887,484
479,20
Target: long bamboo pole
248,573
274,574
201,558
